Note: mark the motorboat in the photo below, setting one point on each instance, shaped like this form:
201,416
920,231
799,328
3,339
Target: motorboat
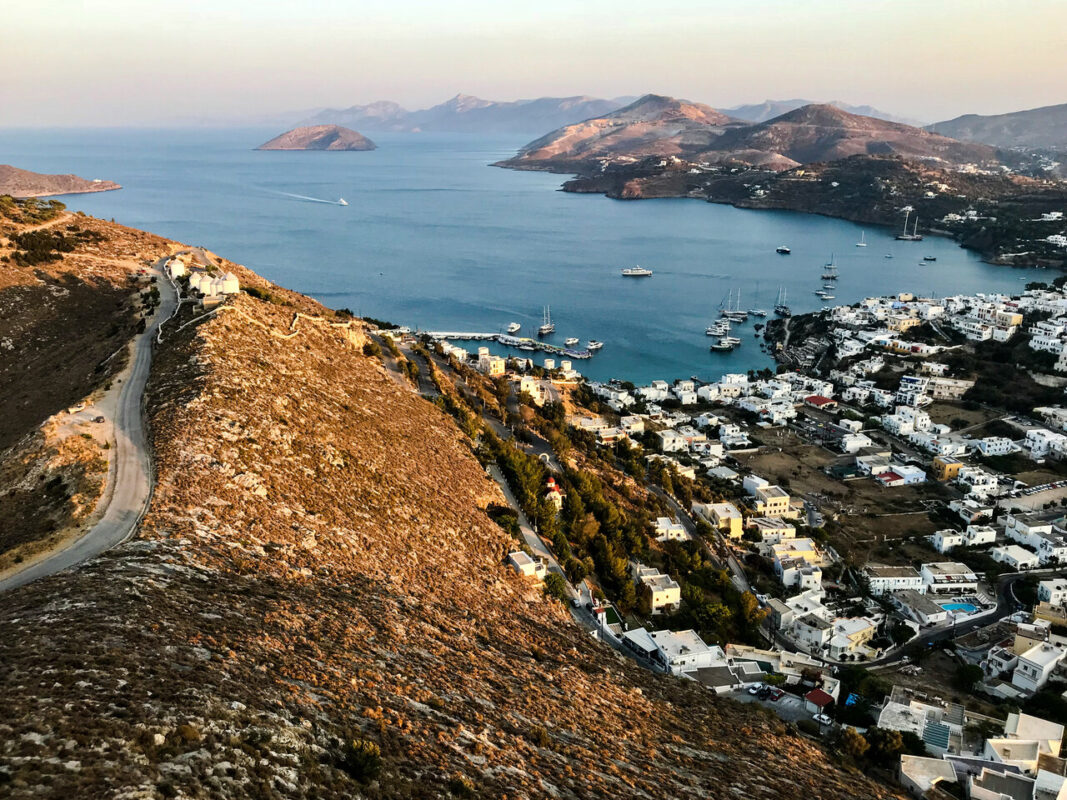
594,345
636,272
571,342
514,327
782,250
341,201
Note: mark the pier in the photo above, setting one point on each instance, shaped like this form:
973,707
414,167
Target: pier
517,342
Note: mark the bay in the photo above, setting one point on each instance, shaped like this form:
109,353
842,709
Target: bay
434,238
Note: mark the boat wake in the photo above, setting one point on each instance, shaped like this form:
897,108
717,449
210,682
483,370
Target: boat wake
306,198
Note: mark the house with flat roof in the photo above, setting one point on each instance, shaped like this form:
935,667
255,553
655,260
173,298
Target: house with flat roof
918,607
668,530
1036,666
772,530
772,501
882,578
798,562
724,516
1016,557
681,651
948,577
526,565
1052,591
919,774
812,633
663,593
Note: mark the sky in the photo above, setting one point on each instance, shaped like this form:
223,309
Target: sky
157,62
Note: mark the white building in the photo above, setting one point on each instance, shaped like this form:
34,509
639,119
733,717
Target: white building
668,530
948,577
1053,591
1036,665
526,565
1016,557
882,579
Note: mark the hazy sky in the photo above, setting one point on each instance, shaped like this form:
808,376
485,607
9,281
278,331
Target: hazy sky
113,62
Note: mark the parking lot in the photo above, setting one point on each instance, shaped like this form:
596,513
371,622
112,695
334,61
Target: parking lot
789,707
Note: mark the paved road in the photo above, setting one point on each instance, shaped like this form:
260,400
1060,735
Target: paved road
131,467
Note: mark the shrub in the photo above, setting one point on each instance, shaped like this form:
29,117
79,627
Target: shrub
540,737
371,348
361,760
460,786
556,587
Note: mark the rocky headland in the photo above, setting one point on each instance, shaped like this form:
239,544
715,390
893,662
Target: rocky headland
23,183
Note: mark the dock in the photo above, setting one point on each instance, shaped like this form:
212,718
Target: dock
517,342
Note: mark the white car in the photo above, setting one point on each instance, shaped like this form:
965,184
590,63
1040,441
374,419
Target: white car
823,719
754,688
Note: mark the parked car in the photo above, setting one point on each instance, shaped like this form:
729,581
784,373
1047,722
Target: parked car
755,688
823,719
776,695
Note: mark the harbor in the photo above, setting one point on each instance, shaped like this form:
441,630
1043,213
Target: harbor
517,342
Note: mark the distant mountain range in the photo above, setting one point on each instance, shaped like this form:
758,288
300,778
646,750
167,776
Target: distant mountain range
1040,128
655,125
769,109
467,114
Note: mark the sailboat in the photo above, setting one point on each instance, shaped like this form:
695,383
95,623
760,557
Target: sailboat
547,327
831,269
863,239
780,307
341,201
914,236
734,314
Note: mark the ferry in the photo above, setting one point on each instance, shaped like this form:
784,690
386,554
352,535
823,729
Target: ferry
341,201
547,327
514,327
636,272
783,250
570,342
594,345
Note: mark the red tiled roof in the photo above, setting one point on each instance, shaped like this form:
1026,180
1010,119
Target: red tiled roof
819,698
818,400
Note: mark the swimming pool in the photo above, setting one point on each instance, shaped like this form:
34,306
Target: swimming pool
966,608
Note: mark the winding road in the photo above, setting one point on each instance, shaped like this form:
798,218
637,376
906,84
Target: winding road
130,475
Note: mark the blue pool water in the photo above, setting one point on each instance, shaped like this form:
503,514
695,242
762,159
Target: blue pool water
966,608
436,238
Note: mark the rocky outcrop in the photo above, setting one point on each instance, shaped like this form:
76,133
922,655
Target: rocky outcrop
319,137
23,183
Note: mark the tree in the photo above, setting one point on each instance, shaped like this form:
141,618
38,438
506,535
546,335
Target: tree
967,675
885,745
556,587
854,743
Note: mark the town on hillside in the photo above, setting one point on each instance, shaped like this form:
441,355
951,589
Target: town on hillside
870,542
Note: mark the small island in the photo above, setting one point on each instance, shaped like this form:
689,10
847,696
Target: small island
319,137
22,183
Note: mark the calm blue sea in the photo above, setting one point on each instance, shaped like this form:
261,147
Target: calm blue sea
435,238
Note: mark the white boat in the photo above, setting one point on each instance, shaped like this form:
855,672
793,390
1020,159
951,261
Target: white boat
782,250
514,327
594,345
571,342
888,255
341,201
636,272
720,328
827,296
546,327
863,239
758,312
914,236
830,270
780,307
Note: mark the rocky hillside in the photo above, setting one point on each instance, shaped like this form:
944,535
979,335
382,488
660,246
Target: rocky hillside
769,109
663,126
466,114
316,606
826,133
653,125
319,137
1037,128
23,183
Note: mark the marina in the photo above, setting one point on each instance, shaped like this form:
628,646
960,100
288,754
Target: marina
516,342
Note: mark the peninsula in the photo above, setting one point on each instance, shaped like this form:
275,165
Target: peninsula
23,183
319,137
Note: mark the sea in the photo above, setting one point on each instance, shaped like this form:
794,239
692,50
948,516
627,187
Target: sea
435,238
